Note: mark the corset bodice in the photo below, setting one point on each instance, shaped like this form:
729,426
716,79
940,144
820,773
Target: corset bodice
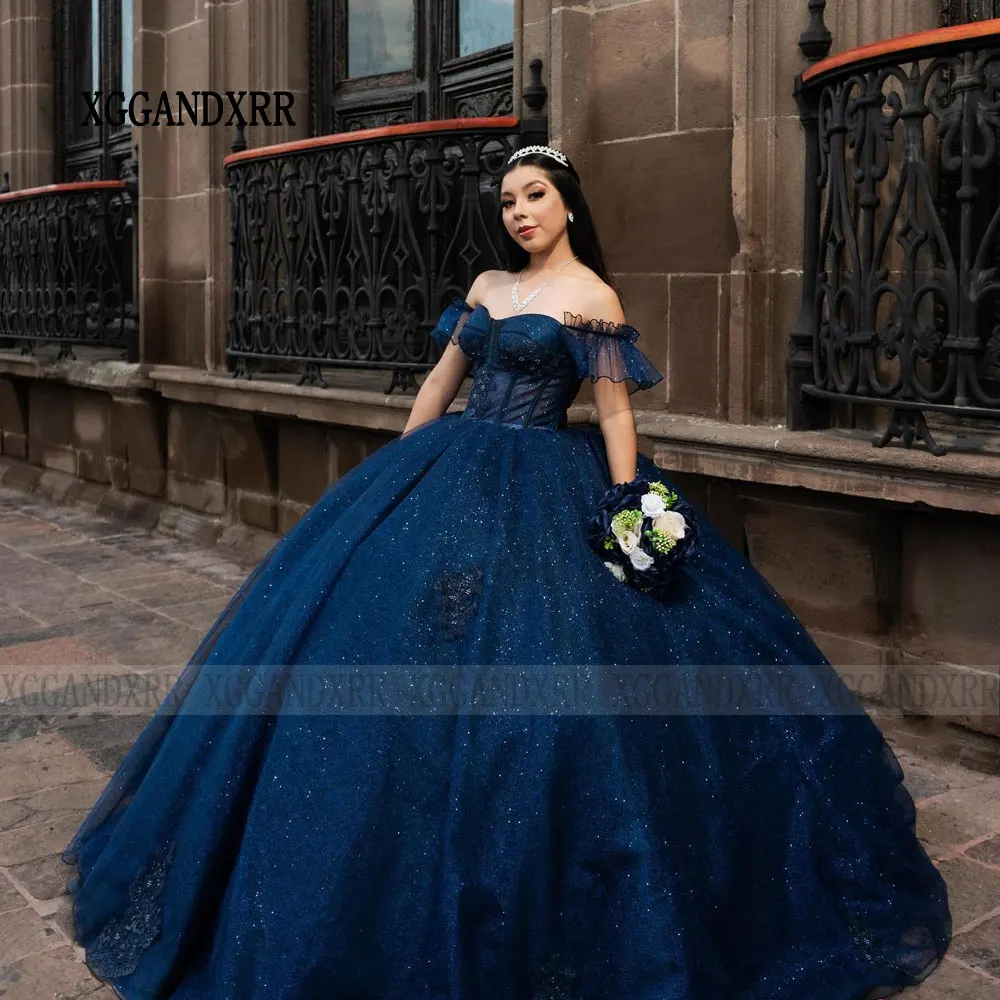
527,369
523,374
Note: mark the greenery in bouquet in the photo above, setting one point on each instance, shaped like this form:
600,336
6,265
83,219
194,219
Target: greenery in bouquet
643,532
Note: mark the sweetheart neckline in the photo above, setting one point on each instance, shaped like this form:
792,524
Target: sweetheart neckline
501,319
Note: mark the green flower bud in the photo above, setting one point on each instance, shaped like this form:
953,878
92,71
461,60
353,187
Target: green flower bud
626,520
660,540
668,495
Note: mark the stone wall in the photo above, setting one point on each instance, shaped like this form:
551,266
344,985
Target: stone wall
640,99
238,467
260,471
184,230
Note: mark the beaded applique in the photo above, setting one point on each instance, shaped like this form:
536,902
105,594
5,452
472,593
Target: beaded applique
457,598
864,939
554,980
121,943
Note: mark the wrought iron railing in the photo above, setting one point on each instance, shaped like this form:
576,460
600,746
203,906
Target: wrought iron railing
901,287
345,248
67,268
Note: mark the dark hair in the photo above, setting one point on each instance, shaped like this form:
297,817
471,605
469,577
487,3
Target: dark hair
582,234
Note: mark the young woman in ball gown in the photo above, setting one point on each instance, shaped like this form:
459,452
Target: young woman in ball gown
375,852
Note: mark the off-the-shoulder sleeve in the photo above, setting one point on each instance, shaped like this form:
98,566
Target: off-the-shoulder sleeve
451,322
603,349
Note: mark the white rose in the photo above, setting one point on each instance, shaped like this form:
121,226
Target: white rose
641,559
628,541
616,570
653,505
672,523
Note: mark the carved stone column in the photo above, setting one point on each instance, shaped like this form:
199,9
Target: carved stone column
279,60
26,93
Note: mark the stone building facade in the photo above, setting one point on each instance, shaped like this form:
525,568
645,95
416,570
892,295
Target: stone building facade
682,119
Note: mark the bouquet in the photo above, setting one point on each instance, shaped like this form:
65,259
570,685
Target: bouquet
643,532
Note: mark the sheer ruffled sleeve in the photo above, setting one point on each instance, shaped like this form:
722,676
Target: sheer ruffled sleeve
451,322
603,349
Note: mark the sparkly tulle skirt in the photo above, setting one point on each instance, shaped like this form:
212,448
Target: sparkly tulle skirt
352,849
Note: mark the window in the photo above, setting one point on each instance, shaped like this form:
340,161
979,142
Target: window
390,62
484,24
92,51
125,46
379,37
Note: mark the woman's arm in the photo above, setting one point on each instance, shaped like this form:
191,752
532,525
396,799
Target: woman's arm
614,408
439,388
443,381
614,411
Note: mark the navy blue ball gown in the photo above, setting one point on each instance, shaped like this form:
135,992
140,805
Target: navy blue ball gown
277,849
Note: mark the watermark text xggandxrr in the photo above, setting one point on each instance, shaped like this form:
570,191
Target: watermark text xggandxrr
196,107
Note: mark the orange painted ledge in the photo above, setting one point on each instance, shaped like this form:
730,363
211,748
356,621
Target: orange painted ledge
64,189
905,43
505,124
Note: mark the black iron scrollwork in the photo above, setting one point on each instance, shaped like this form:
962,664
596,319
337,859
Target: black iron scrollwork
67,273
344,255
901,293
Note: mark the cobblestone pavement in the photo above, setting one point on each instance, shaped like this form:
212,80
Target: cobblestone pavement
80,594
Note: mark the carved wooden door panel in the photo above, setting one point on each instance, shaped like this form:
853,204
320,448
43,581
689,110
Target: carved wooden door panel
392,62
966,11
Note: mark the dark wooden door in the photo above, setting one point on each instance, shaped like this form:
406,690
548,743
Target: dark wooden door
966,11
92,51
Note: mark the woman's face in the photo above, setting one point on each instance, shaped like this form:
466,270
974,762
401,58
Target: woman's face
533,209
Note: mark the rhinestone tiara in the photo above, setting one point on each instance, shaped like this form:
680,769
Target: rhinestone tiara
544,150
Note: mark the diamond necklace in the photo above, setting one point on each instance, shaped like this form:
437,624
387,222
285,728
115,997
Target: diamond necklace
516,303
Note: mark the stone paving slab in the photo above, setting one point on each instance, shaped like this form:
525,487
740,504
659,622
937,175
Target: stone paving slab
959,819
10,898
50,974
79,593
952,981
987,851
24,932
41,762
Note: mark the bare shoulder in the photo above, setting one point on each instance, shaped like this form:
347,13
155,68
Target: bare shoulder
600,302
483,284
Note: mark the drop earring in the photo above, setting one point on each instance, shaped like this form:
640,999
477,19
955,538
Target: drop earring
570,216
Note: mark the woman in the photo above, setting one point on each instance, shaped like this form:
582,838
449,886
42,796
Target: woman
372,845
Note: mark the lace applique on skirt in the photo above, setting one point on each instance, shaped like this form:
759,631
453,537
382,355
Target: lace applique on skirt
121,943
457,597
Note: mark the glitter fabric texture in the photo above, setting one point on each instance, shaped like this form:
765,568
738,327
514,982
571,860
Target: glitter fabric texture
385,855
